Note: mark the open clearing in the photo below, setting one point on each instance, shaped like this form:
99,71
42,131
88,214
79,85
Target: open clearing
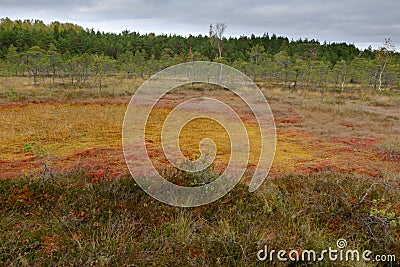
337,159
313,133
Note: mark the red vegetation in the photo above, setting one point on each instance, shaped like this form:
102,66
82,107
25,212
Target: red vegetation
289,117
357,141
20,196
349,125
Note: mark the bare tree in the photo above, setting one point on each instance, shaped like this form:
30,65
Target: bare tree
384,54
216,34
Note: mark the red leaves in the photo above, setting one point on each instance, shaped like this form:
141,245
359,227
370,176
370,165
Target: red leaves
21,196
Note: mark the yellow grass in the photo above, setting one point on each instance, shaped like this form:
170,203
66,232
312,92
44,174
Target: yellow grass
69,127
199,129
59,128
64,129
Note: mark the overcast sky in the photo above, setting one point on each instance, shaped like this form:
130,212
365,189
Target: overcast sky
362,22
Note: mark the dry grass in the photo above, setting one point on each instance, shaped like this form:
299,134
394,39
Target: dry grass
22,89
313,134
115,223
60,128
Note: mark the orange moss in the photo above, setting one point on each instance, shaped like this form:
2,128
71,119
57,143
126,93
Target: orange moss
61,129
87,135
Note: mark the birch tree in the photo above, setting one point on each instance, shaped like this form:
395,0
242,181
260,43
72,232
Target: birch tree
383,56
216,35
341,69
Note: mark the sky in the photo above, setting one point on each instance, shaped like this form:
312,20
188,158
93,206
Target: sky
359,22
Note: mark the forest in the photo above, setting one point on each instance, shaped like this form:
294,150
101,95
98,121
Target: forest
69,54
69,198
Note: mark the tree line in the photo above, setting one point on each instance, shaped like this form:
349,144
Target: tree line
68,53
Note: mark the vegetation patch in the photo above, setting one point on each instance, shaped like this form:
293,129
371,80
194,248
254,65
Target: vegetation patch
71,221
389,149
